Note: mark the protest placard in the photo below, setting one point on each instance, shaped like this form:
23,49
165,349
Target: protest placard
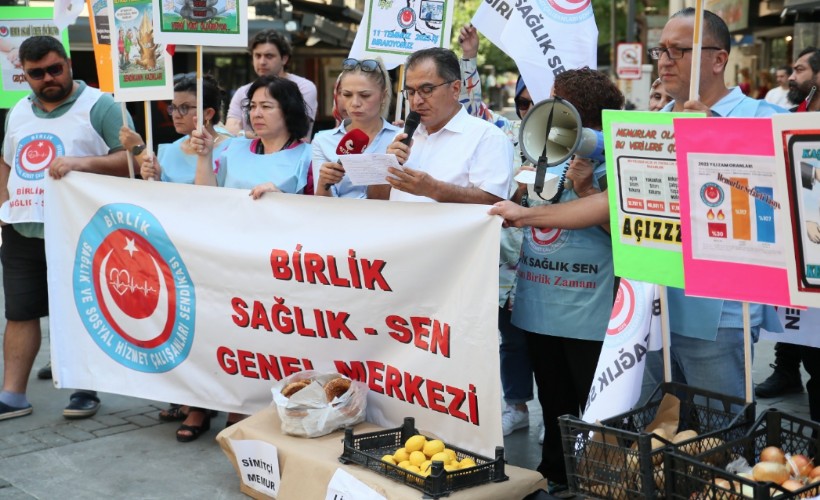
222,23
101,41
731,210
642,179
142,67
797,152
394,30
17,24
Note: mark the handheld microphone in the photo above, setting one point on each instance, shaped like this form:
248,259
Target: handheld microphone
352,143
410,126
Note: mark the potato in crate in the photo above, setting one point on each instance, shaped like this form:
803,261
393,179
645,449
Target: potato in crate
773,460
622,456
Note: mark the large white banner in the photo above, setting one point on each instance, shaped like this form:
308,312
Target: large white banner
394,30
543,37
203,296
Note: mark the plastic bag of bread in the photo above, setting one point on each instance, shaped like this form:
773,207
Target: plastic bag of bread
312,404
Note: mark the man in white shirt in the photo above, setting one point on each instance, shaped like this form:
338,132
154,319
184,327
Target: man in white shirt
271,53
779,96
453,157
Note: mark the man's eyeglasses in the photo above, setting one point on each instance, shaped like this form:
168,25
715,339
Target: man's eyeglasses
425,91
673,53
522,103
40,73
182,109
367,65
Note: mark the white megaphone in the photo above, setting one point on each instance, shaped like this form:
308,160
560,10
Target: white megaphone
552,132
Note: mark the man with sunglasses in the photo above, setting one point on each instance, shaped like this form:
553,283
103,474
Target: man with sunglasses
452,157
63,125
270,54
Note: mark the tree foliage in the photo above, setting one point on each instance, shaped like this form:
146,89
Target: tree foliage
488,54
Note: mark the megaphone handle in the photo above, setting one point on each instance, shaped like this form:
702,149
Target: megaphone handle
541,168
540,173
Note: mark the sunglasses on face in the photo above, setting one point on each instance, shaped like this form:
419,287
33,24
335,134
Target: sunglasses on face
367,65
522,103
40,73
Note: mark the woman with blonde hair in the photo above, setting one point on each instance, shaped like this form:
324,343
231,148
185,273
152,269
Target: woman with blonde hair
365,93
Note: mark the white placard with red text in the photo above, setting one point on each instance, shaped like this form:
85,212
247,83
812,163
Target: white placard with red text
204,296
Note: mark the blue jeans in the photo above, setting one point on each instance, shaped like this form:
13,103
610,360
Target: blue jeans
516,369
716,366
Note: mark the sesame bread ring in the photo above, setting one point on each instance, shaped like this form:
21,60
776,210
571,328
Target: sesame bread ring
336,388
294,387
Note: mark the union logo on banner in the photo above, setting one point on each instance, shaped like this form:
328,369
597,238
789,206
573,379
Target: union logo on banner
624,309
567,11
406,18
133,291
547,240
35,153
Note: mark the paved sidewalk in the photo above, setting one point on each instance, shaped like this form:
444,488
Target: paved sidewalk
126,452
122,452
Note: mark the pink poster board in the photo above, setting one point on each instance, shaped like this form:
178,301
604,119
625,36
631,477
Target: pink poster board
732,246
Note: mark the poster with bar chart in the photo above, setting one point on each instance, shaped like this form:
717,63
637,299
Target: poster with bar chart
732,210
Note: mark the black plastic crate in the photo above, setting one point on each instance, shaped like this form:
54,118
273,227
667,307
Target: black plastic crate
367,450
618,462
693,477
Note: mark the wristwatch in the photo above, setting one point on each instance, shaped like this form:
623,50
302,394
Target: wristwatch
138,149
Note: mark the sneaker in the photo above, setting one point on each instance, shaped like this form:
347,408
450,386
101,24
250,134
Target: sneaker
44,373
779,383
7,412
512,420
541,434
82,405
